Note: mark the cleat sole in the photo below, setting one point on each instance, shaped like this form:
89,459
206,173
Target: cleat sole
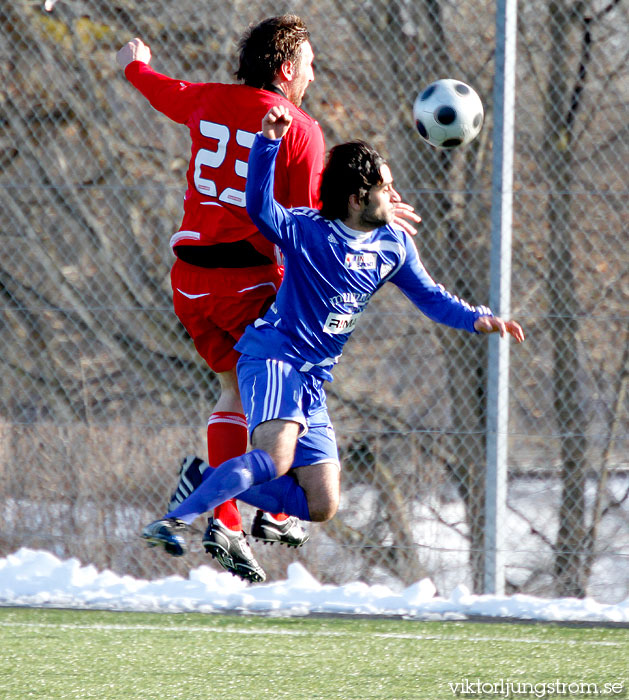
285,544
226,561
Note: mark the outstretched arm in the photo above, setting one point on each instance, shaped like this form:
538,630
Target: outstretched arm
442,306
174,98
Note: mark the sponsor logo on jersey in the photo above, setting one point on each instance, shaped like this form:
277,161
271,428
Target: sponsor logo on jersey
385,269
340,323
361,261
350,298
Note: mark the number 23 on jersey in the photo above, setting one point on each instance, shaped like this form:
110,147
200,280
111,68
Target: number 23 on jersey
207,158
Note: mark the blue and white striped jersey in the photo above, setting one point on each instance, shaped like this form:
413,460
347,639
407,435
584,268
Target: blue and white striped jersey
331,273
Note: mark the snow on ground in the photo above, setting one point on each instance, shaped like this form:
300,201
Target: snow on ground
38,578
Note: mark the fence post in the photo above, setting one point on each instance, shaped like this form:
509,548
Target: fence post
499,295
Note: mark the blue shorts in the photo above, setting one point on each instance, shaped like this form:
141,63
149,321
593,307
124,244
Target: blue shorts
273,389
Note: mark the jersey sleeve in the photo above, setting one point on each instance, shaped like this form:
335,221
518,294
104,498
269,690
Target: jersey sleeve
174,98
273,220
431,298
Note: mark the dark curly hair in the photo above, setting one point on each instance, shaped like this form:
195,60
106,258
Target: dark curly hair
351,168
265,46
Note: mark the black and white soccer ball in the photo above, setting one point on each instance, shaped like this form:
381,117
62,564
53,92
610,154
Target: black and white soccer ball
448,114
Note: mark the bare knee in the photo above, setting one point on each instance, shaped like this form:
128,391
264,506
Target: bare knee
322,485
278,438
322,510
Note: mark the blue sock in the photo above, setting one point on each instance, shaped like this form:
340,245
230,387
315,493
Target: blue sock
226,481
282,495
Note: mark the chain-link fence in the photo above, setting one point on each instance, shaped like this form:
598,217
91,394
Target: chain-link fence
103,393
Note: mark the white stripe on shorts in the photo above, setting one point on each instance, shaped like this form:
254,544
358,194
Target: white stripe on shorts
273,396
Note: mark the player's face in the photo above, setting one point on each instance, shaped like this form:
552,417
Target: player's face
304,74
380,207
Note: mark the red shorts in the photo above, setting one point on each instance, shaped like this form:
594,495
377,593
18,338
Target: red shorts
216,305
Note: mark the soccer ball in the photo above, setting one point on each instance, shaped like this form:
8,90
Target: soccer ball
448,113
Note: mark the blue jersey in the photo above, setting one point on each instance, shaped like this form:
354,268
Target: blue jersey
331,273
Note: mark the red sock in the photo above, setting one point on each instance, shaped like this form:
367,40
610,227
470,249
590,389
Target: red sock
226,438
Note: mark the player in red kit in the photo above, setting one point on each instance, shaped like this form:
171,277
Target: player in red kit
226,273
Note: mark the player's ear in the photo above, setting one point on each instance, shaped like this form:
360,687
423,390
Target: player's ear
287,71
354,202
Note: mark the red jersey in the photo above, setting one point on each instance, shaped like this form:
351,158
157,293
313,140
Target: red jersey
223,119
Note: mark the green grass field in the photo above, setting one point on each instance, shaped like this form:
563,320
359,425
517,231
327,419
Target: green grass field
52,654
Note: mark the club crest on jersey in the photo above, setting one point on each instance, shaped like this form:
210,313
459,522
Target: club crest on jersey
360,261
340,323
385,269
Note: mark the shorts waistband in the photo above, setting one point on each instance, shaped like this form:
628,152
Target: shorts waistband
225,255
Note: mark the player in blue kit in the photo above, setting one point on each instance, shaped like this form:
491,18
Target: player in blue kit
335,259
